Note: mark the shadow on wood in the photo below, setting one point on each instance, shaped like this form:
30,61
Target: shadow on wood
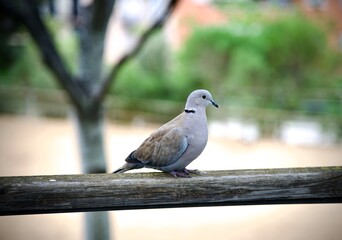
102,192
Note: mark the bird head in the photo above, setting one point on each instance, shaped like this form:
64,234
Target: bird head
200,98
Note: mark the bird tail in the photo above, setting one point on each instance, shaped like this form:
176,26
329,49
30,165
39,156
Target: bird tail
131,163
127,167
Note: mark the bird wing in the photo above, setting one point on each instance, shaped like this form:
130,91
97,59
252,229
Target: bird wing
163,147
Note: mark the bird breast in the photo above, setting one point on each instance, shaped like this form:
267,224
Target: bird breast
198,137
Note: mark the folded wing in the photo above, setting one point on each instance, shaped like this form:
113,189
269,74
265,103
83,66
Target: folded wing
162,148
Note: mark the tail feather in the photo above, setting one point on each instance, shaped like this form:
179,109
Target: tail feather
131,163
120,170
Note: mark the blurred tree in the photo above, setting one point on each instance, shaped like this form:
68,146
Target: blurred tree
87,90
291,56
148,74
278,64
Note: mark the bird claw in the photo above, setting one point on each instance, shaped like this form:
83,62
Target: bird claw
185,173
194,171
182,174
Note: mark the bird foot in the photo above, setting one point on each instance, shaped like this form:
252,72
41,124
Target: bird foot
182,174
194,171
185,173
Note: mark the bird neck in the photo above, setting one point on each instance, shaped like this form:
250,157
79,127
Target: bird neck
190,110
194,111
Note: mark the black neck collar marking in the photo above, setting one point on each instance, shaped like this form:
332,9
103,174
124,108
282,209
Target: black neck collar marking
189,110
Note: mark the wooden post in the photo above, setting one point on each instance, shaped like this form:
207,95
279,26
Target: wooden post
102,192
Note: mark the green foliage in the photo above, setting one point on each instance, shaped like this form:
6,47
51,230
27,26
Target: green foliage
293,44
28,69
277,64
148,74
285,63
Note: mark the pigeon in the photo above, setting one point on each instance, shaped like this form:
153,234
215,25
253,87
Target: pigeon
177,143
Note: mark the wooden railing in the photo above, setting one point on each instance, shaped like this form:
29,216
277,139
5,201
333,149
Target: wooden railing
102,192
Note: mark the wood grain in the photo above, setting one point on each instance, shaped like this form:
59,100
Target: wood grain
102,192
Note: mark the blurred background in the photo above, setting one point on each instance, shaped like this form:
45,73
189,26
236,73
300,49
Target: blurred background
273,66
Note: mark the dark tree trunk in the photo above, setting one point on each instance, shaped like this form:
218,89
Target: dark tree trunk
90,134
97,226
91,32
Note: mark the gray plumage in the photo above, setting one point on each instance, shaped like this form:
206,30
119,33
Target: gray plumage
177,143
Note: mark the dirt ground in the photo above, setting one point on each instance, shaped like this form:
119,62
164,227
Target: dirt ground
40,146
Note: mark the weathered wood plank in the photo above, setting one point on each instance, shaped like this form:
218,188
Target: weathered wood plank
101,192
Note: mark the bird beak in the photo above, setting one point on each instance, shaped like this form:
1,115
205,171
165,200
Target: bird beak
214,103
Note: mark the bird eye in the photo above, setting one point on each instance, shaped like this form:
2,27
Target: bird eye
204,97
